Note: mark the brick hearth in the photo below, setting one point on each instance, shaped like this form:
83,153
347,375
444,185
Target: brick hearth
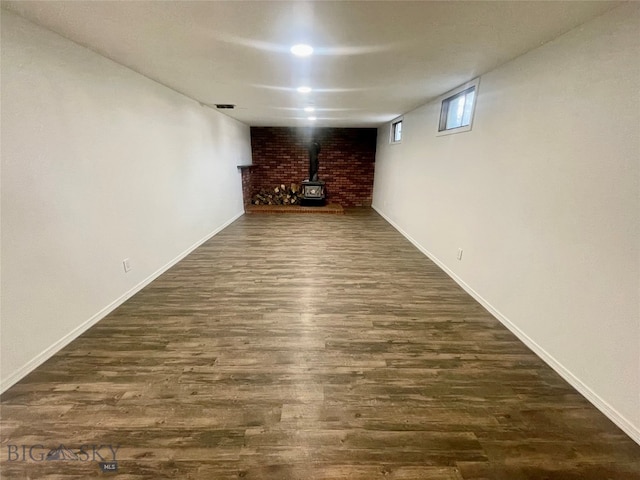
346,161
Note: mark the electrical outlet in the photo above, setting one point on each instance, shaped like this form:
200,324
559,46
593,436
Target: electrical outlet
126,263
459,254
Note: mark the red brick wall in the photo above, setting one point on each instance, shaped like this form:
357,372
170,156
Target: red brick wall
247,187
346,160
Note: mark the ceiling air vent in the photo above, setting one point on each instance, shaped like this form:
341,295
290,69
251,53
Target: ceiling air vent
223,106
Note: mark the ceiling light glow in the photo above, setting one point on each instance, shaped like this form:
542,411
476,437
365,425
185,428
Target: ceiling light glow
312,118
309,109
302,50
304,89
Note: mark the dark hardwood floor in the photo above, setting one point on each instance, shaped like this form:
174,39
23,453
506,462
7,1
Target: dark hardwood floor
305,347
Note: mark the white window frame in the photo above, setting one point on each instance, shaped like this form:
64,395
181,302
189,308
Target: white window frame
444,99
392,141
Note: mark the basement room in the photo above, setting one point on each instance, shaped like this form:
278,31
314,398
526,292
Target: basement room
320,240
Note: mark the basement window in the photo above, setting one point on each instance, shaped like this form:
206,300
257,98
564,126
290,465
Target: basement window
456,112
396,131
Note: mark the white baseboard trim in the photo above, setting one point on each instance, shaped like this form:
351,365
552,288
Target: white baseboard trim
615,416
86,325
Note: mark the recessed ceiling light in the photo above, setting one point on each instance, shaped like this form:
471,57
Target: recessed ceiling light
304,89
311,118
302,50
309,109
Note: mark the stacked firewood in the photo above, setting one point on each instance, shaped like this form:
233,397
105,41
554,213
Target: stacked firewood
280,195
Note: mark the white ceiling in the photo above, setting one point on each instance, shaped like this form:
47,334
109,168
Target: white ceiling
373,60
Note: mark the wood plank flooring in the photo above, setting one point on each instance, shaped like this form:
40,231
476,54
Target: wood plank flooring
306,347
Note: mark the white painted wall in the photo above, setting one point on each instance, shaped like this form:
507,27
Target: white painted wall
543,195
99,164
